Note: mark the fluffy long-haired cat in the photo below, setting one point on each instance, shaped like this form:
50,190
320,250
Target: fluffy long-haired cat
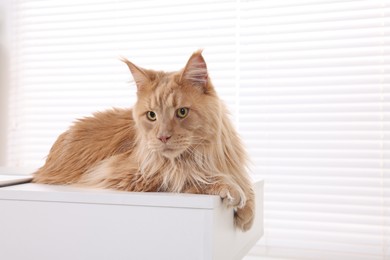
176,138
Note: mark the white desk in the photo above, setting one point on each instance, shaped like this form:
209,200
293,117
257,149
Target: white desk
59,222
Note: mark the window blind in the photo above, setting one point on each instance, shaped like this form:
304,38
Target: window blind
314,92
307,82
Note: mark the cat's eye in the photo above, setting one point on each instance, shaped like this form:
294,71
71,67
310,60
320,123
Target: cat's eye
151,115
182,112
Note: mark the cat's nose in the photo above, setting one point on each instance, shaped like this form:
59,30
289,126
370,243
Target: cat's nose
164,138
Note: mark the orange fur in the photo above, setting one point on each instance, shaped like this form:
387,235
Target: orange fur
122,149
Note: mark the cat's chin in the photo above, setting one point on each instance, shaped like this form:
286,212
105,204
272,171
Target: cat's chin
170,153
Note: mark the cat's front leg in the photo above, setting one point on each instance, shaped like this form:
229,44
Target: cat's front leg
234,196
243,205
244,216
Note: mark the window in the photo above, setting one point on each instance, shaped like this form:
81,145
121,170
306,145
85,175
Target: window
307,82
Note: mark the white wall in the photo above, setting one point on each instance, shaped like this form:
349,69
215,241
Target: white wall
3,82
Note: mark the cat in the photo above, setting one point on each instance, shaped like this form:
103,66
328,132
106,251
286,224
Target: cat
177,138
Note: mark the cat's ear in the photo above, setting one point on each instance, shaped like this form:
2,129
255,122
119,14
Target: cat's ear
140,76
195,71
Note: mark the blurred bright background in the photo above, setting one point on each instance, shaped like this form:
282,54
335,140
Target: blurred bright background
307,82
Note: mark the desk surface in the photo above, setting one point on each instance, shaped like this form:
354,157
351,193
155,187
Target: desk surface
57,193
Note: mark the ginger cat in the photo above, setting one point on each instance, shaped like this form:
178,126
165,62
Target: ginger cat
176,138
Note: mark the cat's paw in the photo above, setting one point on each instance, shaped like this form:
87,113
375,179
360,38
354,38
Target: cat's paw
244,217
232,197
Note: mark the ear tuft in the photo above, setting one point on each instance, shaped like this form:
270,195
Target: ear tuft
195,71
141,78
